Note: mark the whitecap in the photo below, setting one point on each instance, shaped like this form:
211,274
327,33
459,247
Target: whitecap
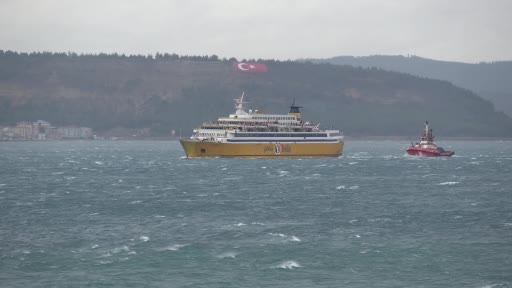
352,163
448,183
121,249
263,167
286,238
98,162
175,247
340,187
228,254
490,286
352,221
289,264
224,169
135,202
144,238
353,187
295,239
379,219
240,224
321,165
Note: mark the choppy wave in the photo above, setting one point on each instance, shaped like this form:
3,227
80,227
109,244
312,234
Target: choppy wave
174,247
144,222
289,264
448,183
285,237
228,254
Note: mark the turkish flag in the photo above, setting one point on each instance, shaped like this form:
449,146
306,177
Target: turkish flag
249,67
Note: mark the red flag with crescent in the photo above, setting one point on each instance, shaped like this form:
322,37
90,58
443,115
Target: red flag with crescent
249,67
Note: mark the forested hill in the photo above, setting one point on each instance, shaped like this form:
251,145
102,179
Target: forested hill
163,92
492,81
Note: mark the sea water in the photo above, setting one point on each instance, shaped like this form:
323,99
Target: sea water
139,214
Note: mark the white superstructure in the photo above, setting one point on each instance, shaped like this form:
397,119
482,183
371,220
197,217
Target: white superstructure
256,127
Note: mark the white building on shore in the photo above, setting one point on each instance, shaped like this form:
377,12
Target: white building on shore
75,132
43,130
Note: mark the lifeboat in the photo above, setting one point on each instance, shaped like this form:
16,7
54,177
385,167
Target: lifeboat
426,147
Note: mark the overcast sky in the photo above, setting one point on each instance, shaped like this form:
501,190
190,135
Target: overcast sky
458,30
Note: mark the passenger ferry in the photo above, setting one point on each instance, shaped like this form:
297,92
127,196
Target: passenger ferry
256,134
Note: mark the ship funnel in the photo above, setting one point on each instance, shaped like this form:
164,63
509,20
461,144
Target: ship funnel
294,110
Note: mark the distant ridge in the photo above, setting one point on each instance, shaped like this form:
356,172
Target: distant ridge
167,91
490,80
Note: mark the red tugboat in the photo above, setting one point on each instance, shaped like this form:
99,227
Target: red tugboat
426,147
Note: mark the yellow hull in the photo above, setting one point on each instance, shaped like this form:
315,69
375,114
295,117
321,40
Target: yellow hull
214,149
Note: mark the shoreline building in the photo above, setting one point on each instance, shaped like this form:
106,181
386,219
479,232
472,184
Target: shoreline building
43,130
24,130
75,132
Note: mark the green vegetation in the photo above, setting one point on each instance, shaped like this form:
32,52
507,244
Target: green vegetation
491,81
168,91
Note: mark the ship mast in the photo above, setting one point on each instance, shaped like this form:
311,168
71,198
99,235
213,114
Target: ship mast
428,133
239,105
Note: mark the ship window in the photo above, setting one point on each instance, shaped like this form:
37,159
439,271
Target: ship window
203,150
